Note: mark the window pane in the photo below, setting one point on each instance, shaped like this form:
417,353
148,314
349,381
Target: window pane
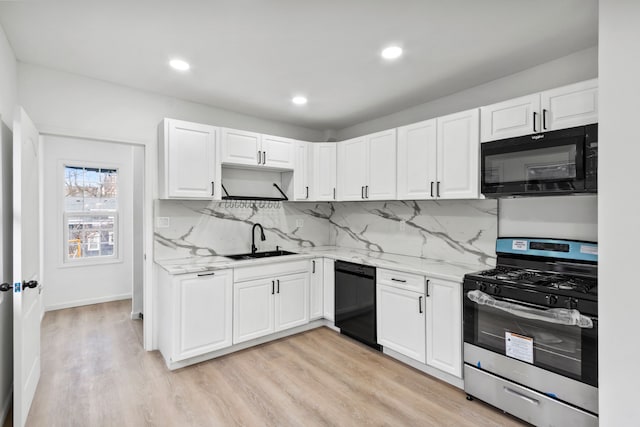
90,189
91,235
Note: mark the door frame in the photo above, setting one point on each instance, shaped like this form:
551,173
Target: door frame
150,154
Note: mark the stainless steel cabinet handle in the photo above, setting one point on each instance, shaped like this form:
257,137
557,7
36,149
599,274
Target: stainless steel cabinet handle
212,188
273,287
313,269
438,188
334,193
366,191
431,188
399,280
535,115
544,119
307,192
264,157
362,192
259,157
521,396
420,304
206,274
278,285
427,284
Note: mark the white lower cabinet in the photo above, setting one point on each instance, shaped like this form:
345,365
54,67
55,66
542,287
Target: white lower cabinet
316,291
401,321
264,306
195,313
444,326
329,282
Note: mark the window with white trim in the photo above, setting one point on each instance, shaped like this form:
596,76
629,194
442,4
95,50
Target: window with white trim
90,213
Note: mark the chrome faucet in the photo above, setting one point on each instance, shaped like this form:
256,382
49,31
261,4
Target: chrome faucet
253,237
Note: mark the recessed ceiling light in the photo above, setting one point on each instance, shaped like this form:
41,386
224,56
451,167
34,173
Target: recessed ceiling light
299,100
179,64
391,52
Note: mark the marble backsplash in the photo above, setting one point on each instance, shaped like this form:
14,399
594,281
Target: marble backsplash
455,231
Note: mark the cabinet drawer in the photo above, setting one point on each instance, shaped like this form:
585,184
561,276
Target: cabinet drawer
412,282
242,274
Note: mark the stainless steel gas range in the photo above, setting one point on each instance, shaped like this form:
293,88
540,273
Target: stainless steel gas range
531,331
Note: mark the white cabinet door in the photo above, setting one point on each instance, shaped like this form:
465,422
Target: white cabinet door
417,161
316,291
323,184
329,274
188,167
458,156
302,171
240,147
204,305
401,321
444,326
352,169
277,152
253,309
292,301
515,117
569,106
381,171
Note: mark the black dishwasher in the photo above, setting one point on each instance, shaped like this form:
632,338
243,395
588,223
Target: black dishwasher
355,303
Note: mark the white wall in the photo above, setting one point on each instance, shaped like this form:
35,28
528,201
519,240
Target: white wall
71,285
582,65
8,80
557,217
619,212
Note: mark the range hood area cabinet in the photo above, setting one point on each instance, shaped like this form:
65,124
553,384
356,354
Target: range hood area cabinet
243,148
560,108
439,158
189,166
367,167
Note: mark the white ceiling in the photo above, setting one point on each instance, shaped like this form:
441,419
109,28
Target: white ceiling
252,56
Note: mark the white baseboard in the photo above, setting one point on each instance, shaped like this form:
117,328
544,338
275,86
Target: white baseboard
89,301
443,376
6,405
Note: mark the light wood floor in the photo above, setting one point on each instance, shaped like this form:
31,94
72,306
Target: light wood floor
95,373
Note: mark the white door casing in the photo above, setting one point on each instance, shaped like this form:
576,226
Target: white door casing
27,302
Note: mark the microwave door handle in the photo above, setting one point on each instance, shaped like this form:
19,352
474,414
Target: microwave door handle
560,316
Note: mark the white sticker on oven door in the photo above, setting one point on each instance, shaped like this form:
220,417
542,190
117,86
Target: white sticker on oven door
591,250
519,245
519,347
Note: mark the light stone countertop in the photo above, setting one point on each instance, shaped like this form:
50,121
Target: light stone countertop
435,268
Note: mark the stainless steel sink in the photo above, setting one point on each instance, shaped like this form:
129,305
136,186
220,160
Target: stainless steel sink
256,255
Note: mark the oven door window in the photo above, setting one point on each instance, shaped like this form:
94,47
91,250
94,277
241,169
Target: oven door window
567,350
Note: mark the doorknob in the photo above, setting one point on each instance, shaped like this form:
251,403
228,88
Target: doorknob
30,284
5,287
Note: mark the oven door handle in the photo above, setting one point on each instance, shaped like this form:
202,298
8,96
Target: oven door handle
560,316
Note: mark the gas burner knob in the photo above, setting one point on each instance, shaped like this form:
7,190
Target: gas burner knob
481,286
571,303
551,300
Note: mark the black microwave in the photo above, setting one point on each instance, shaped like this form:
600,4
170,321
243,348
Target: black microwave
558,162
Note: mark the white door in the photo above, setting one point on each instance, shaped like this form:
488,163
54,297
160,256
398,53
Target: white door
27,292
401,321
417,161
253,309
292,301
381,173
316,290
569,106
329,276
444,326
458,156
277,152
352,169
324,171
191,158
515,117
302,171
240,147
204,303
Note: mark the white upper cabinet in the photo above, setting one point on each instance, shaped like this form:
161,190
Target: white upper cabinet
381,172
302,172
570,106
352,169
511,118
561,108
458,155
324,171
367,167
417,160
241,147
188,167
